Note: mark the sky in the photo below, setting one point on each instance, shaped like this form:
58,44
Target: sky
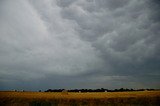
79,44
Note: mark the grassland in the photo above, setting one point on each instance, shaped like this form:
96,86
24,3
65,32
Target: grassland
140,98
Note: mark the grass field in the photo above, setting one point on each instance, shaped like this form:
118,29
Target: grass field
140,98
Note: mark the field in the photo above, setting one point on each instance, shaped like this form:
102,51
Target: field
139,98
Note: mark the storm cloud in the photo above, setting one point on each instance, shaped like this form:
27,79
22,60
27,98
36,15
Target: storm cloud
79,44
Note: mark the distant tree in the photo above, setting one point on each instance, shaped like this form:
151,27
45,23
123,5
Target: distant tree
121,89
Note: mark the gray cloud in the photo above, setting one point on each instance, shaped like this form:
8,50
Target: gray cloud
89,43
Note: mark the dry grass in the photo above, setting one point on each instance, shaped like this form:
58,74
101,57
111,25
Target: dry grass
80,99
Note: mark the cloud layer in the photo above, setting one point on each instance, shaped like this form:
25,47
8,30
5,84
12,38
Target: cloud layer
79,44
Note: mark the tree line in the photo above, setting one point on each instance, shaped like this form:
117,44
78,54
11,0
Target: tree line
97,90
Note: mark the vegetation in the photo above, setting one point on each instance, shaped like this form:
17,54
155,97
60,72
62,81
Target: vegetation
99,90
140,98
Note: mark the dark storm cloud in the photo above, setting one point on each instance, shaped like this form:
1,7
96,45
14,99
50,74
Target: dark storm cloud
100,43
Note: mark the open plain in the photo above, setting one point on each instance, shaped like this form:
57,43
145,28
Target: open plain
139,98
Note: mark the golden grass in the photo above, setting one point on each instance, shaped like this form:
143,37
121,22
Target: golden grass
57,95
109,98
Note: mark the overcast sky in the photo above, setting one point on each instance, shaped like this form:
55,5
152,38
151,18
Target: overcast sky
79,44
